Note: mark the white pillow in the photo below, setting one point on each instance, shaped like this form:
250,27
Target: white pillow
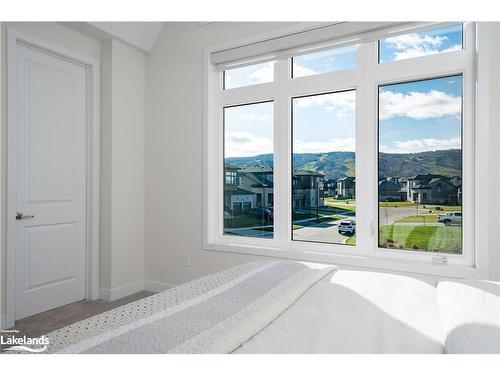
470,313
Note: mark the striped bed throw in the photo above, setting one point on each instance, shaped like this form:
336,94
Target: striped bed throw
213,314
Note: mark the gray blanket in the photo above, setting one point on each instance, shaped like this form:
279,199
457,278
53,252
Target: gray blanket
214,314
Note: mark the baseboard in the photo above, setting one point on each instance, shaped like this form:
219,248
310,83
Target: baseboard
156,286
121,291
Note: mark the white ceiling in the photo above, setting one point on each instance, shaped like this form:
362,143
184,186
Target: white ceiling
139,34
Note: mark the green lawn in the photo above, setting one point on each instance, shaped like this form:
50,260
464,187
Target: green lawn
351,240
446,239
341,204
419,219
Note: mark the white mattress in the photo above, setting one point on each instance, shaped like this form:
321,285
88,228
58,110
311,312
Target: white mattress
357,312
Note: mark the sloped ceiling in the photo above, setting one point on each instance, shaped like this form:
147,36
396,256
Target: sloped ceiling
139,34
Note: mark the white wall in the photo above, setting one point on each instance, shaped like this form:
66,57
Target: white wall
174,153
122,174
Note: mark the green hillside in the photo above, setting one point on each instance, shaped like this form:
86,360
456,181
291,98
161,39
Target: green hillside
340,164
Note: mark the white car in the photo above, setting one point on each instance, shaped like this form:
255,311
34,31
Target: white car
450,218
347,227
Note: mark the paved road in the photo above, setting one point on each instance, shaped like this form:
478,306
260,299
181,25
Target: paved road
320,232
328,231
388,215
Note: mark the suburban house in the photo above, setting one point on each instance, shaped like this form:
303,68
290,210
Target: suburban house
259,181
308,189
252,187
236,199
389,189
433,189
330,188
346,187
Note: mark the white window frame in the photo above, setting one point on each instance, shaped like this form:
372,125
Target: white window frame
365,78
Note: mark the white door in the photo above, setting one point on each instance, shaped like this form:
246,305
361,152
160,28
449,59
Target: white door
50,171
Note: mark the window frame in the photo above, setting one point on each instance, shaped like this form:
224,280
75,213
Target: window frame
365,78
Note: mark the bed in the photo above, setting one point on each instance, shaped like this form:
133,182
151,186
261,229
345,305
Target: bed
296,307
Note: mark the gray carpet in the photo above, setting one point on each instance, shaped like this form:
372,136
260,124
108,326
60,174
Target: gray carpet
48,321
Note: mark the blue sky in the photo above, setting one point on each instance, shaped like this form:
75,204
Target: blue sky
421,44
325,61
413,117
420,116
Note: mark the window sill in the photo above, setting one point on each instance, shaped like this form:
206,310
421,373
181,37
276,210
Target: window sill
371,262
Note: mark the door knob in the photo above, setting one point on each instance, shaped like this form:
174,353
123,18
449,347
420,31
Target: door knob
20,216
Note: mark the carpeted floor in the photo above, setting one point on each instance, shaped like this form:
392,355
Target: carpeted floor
48,321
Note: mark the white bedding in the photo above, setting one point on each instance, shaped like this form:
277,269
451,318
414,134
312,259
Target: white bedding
356,312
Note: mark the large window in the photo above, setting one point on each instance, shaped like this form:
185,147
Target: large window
369,156
248,170
420,165
323,178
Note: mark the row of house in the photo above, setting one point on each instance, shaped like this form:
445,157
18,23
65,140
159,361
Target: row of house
422,188
252,187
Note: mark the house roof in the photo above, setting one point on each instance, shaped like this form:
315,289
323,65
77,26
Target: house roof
305,172
238,191
347,178
257,169
428,176
229,167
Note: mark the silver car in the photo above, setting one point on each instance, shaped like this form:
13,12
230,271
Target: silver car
450,218
347,227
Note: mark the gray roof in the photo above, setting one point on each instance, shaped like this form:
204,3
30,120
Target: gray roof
238,191
257,169
306,172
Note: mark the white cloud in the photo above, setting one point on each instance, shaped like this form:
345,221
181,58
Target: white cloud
246,144
421,145
338,144
340,103
415,45
302,71
264,74
419,105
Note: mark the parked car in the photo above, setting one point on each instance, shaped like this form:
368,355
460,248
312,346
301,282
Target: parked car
347,227
450,218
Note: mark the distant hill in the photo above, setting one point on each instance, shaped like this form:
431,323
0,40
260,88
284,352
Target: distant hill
339,164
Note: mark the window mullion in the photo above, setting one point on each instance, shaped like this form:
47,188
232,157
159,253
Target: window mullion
366,150
282,223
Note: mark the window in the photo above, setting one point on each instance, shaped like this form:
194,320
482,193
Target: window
356,162
324,61
424,43
323,151
248,167
420,141
249,75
